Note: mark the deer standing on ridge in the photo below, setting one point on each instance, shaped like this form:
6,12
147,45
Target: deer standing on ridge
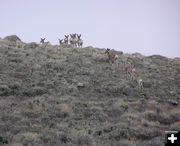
61,43
112,56
42,41
66,39
80,41
73,40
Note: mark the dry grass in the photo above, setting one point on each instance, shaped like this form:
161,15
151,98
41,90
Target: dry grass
40,100
120,104
175,126
66,109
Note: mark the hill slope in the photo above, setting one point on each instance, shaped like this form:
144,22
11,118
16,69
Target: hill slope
64,96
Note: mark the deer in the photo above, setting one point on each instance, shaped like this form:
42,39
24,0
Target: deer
136,77
128,69
73,40
61,43
42,41
133,74
112,56
80,41
140,82
66,39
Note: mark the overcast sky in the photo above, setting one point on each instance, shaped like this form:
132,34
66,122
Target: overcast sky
144,26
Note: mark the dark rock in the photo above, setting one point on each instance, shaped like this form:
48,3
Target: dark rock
80,85
173,102
3,140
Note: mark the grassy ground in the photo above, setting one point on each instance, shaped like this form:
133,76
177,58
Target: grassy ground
58,96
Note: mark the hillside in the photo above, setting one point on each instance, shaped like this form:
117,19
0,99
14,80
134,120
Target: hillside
58,96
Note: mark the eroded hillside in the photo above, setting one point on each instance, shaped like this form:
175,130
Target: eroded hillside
58,96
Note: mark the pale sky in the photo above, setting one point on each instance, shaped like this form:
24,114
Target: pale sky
144,26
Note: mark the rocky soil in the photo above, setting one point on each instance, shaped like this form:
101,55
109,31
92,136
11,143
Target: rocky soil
58,96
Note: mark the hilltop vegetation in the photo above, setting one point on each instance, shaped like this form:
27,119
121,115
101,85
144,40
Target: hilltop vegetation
58,96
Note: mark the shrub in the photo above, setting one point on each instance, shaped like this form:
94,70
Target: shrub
34,91
4,90
12,38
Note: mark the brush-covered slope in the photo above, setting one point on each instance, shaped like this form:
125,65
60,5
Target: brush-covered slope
58,96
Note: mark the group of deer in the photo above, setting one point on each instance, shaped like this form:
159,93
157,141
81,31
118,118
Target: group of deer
72,39
128,67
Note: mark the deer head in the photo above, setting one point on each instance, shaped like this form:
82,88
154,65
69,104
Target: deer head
60,41
79,36
66,36
42,40
107,51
